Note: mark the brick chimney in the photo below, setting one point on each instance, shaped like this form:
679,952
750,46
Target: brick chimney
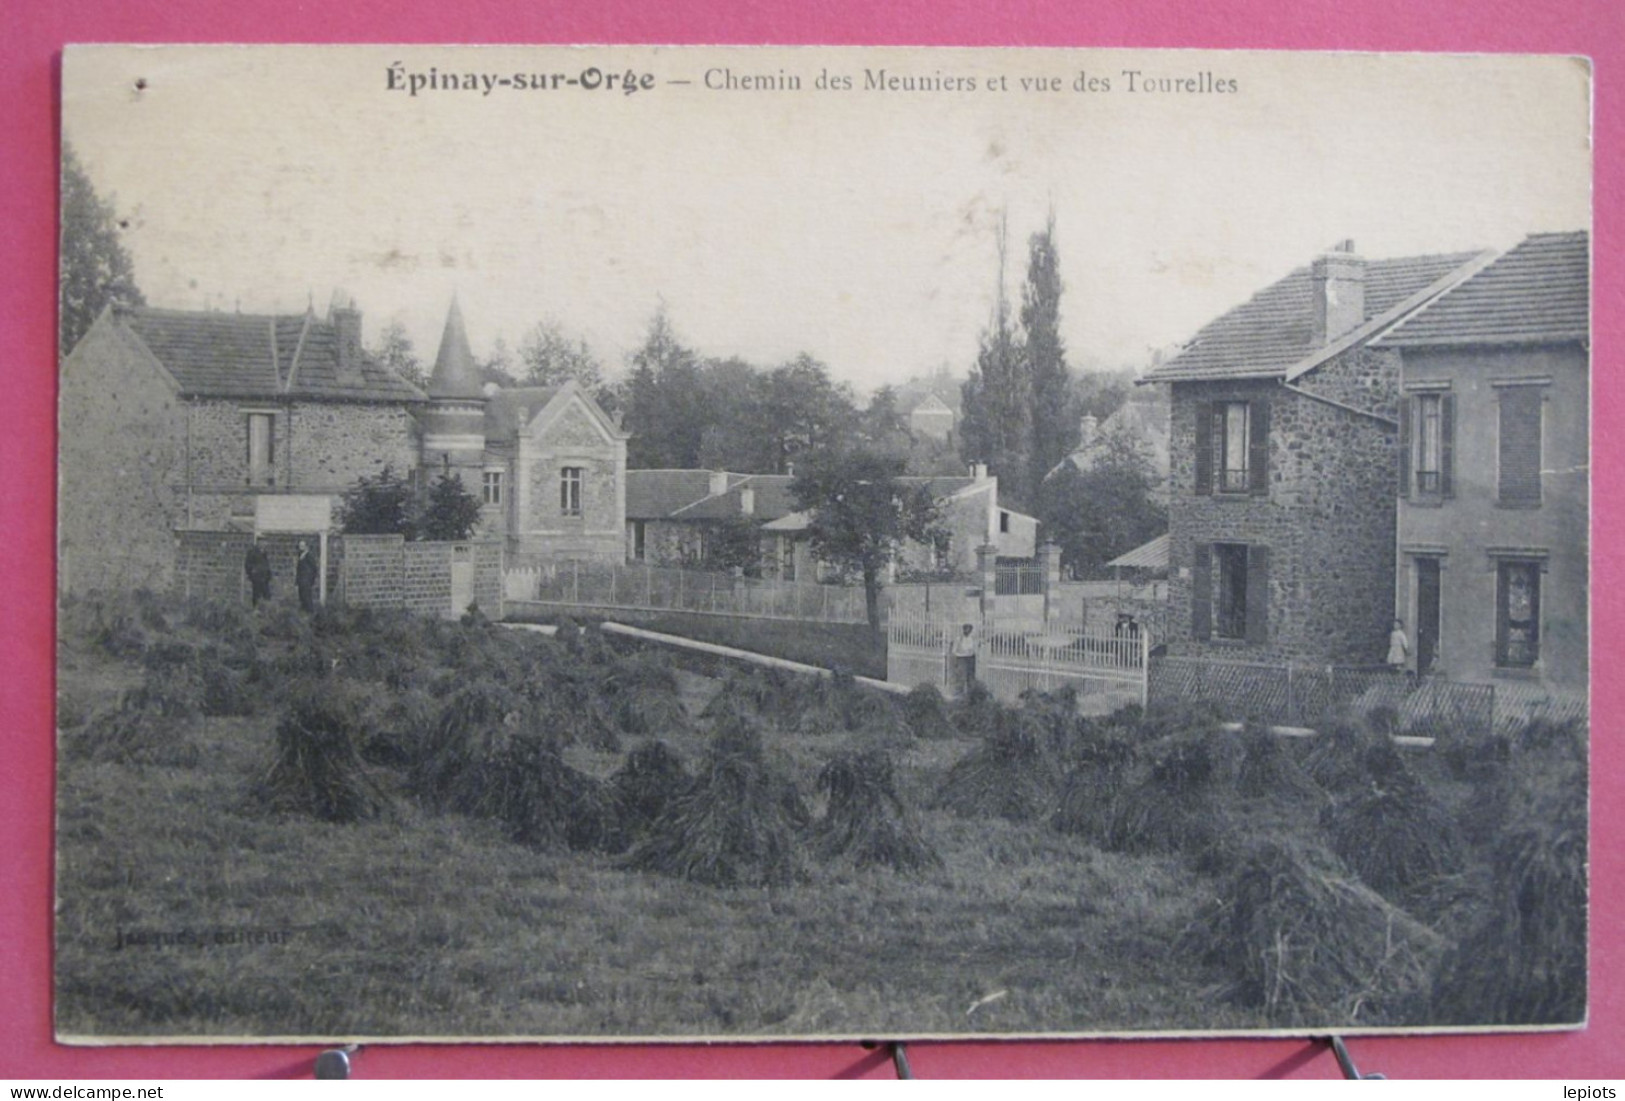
719,483
747,501
1337,279
1086,430
346,321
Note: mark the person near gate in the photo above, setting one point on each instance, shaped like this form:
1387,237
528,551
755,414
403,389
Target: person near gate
304,576
258,568
1399,647
963,660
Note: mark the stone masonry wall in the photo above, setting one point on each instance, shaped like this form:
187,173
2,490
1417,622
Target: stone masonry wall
119,459
426,577
374,571
488,563
209,564
320,447
1328,520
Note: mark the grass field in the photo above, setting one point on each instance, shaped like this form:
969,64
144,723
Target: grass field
188,906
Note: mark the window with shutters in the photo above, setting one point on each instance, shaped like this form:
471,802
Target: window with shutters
1232,447
1520,446
570,491
1230,590
1428,451
1230,584
1517,613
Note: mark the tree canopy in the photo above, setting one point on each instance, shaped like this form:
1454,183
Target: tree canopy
387,504
861,513
393,349
96,268
1109,507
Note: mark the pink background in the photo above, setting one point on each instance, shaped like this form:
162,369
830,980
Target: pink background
29,70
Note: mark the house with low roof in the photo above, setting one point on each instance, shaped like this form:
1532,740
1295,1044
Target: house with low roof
1493,473
931,418
1284,434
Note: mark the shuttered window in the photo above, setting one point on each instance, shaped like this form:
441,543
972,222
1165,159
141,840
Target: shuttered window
1230,592
1520,446
1232,447
1517,614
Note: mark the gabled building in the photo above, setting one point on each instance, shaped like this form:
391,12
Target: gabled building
184,419
1284,427
931,418
548,463
671,513
1493,481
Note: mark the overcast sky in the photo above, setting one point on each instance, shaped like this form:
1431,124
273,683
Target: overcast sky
856,225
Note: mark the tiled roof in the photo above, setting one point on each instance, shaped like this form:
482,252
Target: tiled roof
771,498
1538,292
258,356
1270,332
656,494
502,409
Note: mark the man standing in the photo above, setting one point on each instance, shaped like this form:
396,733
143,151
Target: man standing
304,576
258,569
963,656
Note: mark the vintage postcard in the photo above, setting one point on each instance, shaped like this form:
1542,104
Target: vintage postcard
621,543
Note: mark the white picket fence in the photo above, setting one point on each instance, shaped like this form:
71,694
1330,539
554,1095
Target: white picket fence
1105,670
658,588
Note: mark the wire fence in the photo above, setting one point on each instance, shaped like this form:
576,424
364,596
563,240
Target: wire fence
658,588
1305,696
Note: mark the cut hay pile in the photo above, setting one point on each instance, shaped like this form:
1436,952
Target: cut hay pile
226,690
569,706
1301,939
926,713
1181,804
1011,775
134,732
482,759
317,768
976,714
865,822
1270,770
643,698
1347,753
397,725
1100,769
1055,713
1524,960
646,786
1399,839
736,826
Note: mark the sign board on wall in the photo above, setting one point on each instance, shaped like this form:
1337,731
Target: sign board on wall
293,512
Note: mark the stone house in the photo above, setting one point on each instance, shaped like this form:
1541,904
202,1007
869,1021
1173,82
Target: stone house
176,421
1143,418
1284,425
202,420
548,463
1494,454
931,418
671,514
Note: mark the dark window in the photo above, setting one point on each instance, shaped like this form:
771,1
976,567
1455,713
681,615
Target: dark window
1004,522
491,488
1230,590
1520,446
1517,614
570,491
639,535
261,448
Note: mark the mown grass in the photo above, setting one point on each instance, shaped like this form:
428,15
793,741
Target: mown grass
423,921
852,647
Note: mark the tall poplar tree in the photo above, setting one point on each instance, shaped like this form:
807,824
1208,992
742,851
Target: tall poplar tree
997,401
1054,427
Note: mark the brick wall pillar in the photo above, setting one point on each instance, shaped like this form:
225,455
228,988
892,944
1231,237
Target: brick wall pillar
1049,564
987,569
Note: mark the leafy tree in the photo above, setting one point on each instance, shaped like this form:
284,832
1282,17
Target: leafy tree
799,410
1105,509
734,543
548,357
861,514
1054,427
498,367
665,401
451,513
96,268
394,351
882,425
382,505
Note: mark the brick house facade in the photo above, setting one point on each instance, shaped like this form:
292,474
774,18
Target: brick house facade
1494,460
1283,441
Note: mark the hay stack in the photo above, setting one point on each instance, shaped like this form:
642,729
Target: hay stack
977,714
865,821
1398,839
1099,773
643,697
1010,775
1308,944
474,725
543,801
1269,771
647,784
926,712
317,769
134,732
397,726
736,826
1181,805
